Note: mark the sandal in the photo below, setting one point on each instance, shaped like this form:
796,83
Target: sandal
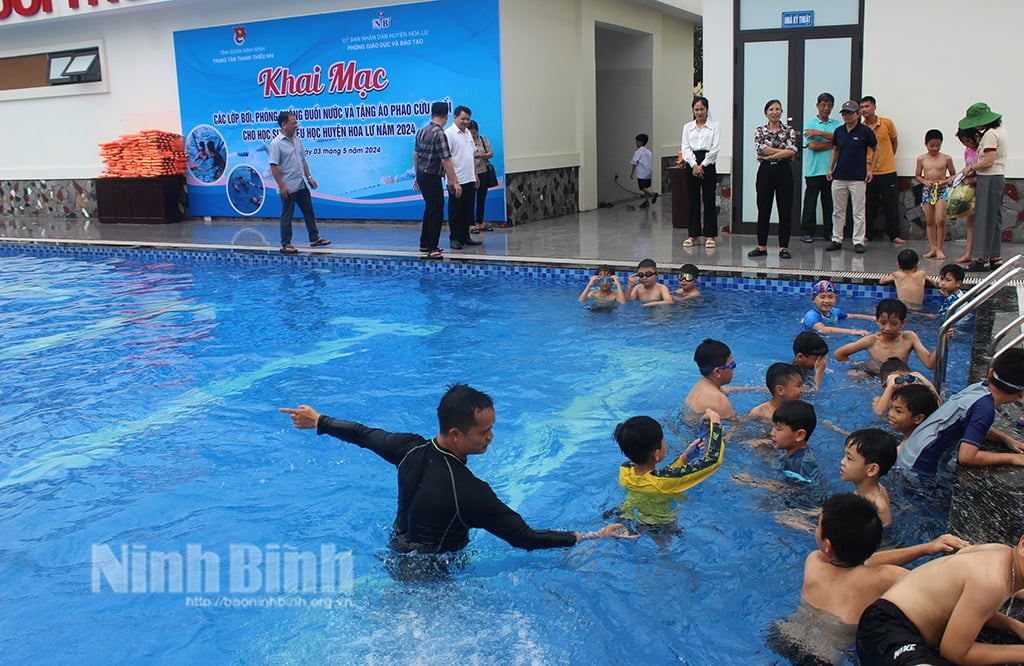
710,243
488,227
320,242
994,264
434,254
976,266
288,249
474,230
689,242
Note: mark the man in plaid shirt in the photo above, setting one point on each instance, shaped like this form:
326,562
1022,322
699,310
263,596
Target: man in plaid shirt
432,159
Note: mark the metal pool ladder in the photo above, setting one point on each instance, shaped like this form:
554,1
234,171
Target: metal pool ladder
968,303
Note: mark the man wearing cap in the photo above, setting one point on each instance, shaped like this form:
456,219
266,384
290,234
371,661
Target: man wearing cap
850,173
818,145
988,198
882,188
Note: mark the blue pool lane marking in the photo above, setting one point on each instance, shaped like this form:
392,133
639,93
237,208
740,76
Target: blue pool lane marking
84,450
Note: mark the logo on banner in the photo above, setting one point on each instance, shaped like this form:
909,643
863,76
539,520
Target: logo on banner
381,21
240,35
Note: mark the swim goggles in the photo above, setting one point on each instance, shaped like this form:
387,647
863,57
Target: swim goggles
905,379
687,277
822,287
730,366
646,274
1012,387
602,280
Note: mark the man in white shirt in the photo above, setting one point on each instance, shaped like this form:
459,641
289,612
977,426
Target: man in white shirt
460,208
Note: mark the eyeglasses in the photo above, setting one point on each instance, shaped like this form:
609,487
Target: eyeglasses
604,279
646,274
730,366
905,379
687,277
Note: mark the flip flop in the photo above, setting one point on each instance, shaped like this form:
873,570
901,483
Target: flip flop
434,254
320,242
288,249
710,243
688,242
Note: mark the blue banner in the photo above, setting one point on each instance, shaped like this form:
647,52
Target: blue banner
360,84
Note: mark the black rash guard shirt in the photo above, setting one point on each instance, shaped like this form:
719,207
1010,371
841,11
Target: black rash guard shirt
439,499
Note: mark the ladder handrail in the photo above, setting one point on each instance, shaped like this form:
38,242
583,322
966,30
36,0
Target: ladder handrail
965,305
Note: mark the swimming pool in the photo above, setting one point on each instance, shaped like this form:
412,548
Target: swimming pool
139,411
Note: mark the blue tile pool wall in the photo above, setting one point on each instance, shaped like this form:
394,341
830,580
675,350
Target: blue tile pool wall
550,274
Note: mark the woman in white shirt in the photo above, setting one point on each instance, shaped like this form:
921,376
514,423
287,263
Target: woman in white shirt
700,146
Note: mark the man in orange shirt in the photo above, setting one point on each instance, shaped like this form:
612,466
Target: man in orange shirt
882,189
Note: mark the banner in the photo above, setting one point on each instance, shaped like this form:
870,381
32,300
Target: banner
360,84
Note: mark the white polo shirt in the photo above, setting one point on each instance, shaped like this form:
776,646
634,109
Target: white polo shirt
463,153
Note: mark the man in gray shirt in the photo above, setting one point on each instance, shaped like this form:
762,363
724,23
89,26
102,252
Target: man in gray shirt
290,170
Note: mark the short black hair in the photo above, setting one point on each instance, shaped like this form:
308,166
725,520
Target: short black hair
691,269
647,263
892,306
459,406
809,343
932,134
891,365
768,104
954,271
438,109
851,524
283,116
917,398
826,97
472,125
639,437
876,446
796,414
643,138
780,373
1009,366
711,354
605,268
969,134
907,259
868,98
462,109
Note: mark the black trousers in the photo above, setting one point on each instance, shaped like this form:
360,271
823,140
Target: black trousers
883,191
817,186
481,198
774,181
701,191
460,212
433,208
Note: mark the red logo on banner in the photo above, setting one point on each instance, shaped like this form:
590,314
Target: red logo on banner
240,35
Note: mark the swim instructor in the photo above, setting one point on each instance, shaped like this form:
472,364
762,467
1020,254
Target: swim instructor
439,499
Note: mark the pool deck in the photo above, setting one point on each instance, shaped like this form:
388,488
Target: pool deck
617,236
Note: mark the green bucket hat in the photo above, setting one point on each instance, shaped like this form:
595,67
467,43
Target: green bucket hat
979,114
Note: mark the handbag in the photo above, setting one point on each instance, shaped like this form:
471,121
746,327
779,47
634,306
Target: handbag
492,177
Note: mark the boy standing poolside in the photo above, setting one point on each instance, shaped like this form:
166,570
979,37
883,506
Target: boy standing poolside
824,316
649,489
644,285
643,169
688,275
869,455
933,614
910,280
604,280
716,365
890,341
785,382
966,420
934,170
792,425
810,352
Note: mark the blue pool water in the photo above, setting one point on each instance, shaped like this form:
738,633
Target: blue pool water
139,410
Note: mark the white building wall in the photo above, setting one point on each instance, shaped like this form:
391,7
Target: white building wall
548,76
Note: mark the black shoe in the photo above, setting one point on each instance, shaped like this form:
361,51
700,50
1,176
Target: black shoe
757,252
644,205
655,199
470,241
456,245
859,249
833,246
784,254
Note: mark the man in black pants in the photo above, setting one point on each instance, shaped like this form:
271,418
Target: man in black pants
432,159
439,499
883,187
